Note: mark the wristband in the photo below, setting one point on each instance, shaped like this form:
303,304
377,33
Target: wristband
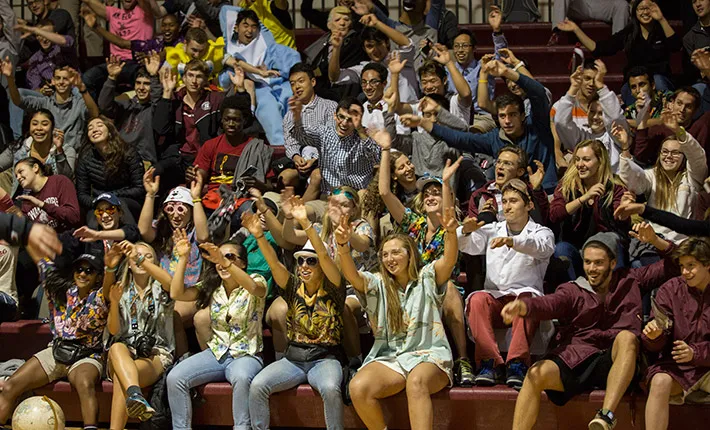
110,269
483,81
343,244
519,65
258,237
139,261
83,92
195,201
681,132
309,226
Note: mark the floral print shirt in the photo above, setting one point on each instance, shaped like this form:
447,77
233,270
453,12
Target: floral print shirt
424,340
168,262
415,225
363,260
81,319
316,319
236,321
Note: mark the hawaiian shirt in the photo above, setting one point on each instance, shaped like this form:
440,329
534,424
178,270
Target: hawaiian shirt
168,262
424,340
152,314
81,319
236,321
415,226
363,260
316,319
657,103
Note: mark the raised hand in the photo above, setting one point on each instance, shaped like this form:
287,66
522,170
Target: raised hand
268,73
7,69
499,242
655,11
382,138
24,29
537,177
575,79
516,308
116,292
89,16
471,224
237,78
567,25
299,212
448,220
114,66
286,195
85,234
450,169
196,187
76,81
251,222
682,353
58,140
670,120
113,256
336,39
43,242
369,20
489,206
652,330
151,183
643,232
295,106
128,249
427,105
152,62
343,232
495,18
362,7
600,74
621,135
396,65
441,54
701,59
410,120
487,58
211,253
167,79
495,68
507,56
182,245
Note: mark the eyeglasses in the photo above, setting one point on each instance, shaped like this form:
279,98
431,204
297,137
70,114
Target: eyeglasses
339,191
175,207
342,118
462,46
371,82
88,270
311,261
505,163
110,210
643,9
667,153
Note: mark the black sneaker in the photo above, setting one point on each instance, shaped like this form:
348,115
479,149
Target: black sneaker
489,374
463,373
516,372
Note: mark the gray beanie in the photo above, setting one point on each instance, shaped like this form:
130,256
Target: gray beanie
608,239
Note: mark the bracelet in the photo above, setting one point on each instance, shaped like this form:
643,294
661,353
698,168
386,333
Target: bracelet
258,237
288,217
139,261
83,92
483,81
343,244
195,201
517,66
151,195
110,269
386,149
309,226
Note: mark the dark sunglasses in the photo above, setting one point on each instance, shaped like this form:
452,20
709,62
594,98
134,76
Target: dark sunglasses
311,261
87,270
339,191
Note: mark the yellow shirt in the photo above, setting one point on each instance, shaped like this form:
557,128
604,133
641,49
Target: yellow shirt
282,35
178,58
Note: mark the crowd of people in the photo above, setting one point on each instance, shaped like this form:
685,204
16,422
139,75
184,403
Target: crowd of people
208,181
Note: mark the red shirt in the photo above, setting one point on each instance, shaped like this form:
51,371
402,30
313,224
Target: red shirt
219,159
192,135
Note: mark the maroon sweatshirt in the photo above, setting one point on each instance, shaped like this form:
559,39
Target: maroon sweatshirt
61,206
647,143
689,309
589,323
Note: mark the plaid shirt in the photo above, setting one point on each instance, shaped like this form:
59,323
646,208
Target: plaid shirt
347,160
318,111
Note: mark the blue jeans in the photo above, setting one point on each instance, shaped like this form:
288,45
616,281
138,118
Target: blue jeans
323,375
203,368
663,83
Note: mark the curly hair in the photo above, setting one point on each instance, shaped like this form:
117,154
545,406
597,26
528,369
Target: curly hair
116,148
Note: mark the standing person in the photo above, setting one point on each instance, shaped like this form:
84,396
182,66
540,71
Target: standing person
315,296
680,333
615,12
598,341
517,253
403,302
236,306
140,321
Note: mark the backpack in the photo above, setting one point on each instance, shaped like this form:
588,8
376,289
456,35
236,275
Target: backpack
158,399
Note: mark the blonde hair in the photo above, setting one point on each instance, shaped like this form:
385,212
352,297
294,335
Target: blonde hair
667,187
338,10
127,277
328,228
571,183
395,316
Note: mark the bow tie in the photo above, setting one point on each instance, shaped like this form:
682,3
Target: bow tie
378,106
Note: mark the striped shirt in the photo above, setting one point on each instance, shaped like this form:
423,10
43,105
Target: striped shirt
347,160
318,111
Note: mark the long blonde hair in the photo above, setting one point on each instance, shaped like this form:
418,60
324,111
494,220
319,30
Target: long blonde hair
571,183
395,316
127,274
667,187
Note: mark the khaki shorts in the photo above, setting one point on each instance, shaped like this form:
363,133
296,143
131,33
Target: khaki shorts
56,370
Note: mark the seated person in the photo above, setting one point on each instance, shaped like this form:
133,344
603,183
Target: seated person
640,82
599,328
41,10
197,46
252,47
679,332
134,117
517,253
376,44
276,17
55,51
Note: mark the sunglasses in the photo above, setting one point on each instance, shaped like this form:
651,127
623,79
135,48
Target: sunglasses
178,208
311,261
339,191
110,210
87,270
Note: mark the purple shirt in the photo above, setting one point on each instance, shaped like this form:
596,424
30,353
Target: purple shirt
41,65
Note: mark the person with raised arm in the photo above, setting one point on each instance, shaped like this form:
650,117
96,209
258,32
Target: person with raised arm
315,295
403,301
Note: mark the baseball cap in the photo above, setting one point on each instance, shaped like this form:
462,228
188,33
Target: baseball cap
428,179
107,197
409,4
93,261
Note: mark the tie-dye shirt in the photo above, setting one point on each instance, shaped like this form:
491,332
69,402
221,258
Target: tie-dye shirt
168,262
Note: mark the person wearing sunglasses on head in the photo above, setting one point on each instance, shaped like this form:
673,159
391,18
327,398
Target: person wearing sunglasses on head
235,301
182,209
315,295
140,321
78,311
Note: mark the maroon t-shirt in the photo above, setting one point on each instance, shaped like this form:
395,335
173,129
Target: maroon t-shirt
61,206
219,159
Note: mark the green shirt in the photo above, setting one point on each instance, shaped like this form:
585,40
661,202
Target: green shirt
256,263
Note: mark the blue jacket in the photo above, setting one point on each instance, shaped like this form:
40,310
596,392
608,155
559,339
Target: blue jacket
537,141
